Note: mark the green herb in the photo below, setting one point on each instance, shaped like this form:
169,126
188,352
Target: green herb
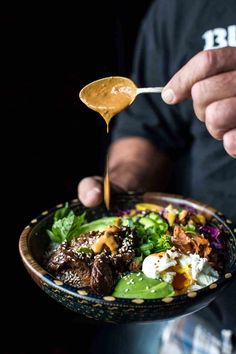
190,228
62,212
163,243
151,230
84,249
138,259
67,227
147,246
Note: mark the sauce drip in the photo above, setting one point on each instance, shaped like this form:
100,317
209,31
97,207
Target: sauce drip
107,189
109,96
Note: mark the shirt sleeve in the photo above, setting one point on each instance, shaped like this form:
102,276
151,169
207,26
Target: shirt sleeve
149,116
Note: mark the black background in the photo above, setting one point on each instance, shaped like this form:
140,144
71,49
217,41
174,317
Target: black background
50,140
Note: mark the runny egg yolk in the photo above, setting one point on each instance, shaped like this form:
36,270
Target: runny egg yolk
180,276
182,279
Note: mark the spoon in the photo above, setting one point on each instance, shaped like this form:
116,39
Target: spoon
111,95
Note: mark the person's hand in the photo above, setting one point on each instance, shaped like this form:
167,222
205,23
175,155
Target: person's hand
210,78
90,191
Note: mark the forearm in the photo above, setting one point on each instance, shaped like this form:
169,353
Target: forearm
136,164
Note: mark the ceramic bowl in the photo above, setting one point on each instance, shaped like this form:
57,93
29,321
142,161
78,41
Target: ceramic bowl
34,242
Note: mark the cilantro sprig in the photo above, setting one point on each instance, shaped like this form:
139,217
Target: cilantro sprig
66,225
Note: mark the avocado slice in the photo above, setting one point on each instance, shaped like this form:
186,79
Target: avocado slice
138,285
98,225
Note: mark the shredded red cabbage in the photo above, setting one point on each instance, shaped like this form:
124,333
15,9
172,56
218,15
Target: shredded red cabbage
213,233
121,213
188,208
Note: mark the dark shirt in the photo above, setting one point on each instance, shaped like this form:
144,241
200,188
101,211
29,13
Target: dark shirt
172,32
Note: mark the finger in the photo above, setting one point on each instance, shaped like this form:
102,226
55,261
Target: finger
201,66
212,89
90,191
221,117
230,142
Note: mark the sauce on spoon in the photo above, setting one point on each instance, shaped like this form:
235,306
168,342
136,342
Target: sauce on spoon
109,96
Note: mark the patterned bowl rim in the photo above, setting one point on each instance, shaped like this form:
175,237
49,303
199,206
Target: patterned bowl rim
47,280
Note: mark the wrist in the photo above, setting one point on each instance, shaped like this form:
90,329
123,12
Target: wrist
135,164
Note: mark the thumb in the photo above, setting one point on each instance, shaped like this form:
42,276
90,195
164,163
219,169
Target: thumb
180,85
90,191
203,65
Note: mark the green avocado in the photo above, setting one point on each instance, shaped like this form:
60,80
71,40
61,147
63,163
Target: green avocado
137,285
98,225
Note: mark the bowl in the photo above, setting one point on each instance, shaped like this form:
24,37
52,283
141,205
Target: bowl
34,242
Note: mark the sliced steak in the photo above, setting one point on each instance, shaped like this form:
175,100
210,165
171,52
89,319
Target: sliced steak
58,258
79,276
102,279
76,264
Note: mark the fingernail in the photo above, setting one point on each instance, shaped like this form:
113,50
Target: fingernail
92,194
168,96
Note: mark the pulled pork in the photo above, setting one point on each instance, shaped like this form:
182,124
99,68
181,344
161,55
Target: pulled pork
187,244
